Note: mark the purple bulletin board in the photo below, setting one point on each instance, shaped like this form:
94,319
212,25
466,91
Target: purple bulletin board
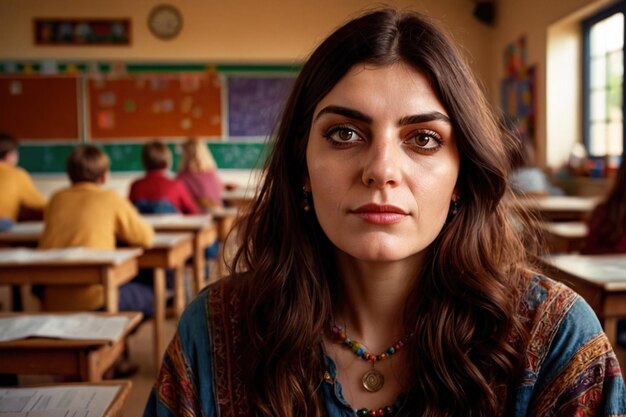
254,103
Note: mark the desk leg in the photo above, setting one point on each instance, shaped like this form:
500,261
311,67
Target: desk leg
111,292
179,291
198,267
92,369
159,313
221,265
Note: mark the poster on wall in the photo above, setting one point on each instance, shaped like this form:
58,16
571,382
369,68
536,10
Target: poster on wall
517,90
77,32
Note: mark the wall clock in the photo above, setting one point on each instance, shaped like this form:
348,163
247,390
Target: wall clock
165,21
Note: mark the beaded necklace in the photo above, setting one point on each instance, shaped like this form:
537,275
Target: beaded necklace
373,380
388,410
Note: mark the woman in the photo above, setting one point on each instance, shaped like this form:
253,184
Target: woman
198,171
379,220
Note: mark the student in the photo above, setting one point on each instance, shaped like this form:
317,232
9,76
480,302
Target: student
18,191
526,178
606,230
607,222
156,193
380,272
198,171
89,216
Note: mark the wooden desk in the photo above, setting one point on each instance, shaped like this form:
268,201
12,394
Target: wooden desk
71,266
169,250
559,208
87,359
204,230
565,236
22,234
114,409
224,218
239,197
599,279
204,235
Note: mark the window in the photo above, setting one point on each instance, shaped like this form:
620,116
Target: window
603,82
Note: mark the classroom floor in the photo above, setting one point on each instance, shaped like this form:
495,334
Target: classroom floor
140,348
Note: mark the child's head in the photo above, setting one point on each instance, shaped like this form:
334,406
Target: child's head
87,163
196,157
8,148
156,155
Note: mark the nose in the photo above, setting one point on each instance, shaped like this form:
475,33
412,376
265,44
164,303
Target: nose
382,165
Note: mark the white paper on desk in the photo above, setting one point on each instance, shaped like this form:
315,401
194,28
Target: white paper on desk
21,255
27,227
164,220
82,326
59,401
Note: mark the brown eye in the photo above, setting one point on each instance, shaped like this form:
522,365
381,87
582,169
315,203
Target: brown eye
342,136
425,140
345,135
422,139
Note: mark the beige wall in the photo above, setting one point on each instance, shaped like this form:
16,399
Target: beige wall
284,31
237,31
553,40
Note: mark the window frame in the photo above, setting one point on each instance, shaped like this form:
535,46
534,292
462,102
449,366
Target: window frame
586,74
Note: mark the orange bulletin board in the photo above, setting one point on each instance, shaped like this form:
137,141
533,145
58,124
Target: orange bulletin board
40,107
155,105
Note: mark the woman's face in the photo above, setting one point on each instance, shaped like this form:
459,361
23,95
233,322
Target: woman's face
382,163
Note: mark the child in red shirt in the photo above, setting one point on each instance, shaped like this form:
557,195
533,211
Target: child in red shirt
156,192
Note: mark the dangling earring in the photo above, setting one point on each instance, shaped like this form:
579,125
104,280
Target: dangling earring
306,206
454,207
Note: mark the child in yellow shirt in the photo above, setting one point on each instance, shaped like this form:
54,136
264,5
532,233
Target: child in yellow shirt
18,191
87,215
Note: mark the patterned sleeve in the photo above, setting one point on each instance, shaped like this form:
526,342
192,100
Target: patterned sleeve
574,369
184,384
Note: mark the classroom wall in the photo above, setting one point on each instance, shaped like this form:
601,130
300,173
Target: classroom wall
120,182
553,45
240,32
281,31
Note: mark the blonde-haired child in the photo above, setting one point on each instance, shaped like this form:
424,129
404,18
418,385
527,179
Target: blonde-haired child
198,171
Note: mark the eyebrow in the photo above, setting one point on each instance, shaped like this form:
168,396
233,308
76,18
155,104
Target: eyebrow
344,111
406,120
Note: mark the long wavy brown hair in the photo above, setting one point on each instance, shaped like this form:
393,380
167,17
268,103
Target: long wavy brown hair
464,307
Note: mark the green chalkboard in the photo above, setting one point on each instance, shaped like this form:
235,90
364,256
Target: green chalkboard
126,157
44,158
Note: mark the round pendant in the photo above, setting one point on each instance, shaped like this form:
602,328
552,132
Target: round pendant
373,380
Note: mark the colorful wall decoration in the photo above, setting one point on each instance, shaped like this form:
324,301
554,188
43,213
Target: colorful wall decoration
81,31
517,90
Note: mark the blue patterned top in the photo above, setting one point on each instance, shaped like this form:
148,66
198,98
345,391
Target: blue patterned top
570,368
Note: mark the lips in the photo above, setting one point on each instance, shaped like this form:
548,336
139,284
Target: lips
380,214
